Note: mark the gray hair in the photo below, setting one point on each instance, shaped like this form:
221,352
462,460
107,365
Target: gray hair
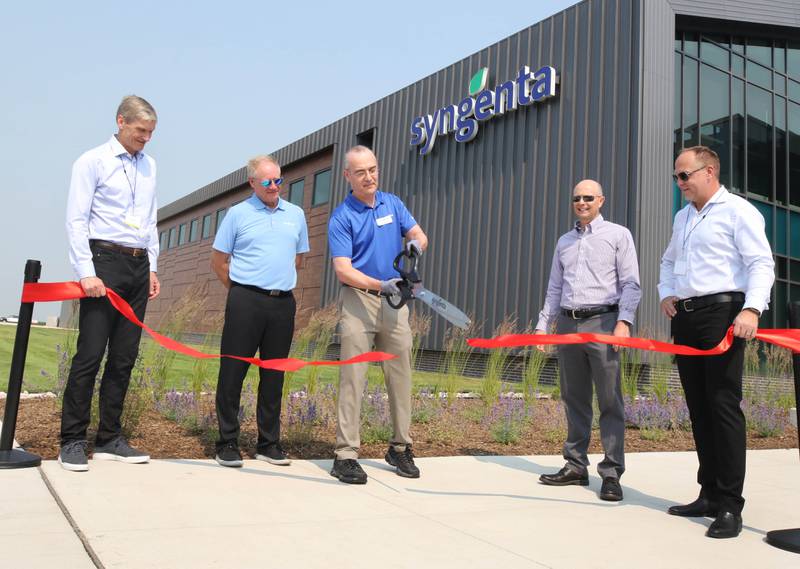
135,108
252,164
358,149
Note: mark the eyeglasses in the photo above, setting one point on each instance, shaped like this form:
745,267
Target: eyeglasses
684,176
587,199
267,183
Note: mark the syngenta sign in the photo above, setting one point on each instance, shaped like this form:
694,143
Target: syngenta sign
483,104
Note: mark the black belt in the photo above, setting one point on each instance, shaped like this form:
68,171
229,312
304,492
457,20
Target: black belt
581,313
367,290
698,302
264,291
133,251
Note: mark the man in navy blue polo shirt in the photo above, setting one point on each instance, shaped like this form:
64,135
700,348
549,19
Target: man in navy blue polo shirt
365,233
256,254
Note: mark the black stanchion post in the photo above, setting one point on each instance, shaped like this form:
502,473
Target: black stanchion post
789,539
11,457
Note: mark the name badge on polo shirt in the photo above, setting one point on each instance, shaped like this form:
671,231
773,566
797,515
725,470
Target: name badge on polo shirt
385,220
133,221
680,266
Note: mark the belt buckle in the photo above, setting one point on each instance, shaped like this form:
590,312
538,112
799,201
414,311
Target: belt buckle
274,292
574,317
687,307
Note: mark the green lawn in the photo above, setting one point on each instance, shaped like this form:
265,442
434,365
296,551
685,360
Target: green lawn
41,364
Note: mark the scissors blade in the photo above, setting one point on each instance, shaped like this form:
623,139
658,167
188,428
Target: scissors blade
442,307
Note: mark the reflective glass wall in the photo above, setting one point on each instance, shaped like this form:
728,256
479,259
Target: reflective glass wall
741,97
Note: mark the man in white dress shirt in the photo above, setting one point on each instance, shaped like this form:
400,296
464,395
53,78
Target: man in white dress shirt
716,272
113,242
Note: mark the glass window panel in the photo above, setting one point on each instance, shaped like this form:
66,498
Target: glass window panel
760,50
737,44
765,210
737,135
690,130
794,294
690,43
794,271
737,65
779,81
678,40
714,120
194,230
780,267
714,54
296,192
793,60
220,217
794,235
794,90
794,153
780,150
322,188
677,198
780,231
759,141
206,226
162,240
779,58
182,234
173,237
759,75
779,305
676,123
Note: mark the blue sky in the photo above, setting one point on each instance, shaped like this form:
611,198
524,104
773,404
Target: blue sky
228,80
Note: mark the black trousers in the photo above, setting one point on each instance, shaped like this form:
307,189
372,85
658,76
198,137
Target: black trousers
100,327
713,388
253,321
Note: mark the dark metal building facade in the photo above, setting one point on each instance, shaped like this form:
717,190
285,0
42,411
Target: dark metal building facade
494,207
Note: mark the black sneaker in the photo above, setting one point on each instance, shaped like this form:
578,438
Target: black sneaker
274,454
229,455
72,456
119,449
348,470
403,461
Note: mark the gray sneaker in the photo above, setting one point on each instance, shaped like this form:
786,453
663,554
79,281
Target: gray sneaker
120,450
72,456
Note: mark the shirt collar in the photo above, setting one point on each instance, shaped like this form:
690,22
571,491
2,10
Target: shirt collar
256,202
593,226
720,196
118,150
360,206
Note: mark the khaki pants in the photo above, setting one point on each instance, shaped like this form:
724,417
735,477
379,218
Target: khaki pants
366,320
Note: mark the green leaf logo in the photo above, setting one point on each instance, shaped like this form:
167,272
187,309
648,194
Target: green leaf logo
478,81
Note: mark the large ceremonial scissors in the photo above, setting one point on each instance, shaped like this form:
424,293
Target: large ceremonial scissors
411,287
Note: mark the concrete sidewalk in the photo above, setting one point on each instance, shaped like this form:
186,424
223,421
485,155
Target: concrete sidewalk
481,512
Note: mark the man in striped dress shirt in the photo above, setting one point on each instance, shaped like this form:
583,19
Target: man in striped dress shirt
593,287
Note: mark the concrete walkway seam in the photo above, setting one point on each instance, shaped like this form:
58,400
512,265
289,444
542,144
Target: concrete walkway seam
73,524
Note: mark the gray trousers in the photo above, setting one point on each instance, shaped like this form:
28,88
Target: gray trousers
583,365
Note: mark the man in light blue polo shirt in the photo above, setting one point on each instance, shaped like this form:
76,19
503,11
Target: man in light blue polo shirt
255,255
365,234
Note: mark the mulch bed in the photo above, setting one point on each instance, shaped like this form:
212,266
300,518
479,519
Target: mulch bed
38,424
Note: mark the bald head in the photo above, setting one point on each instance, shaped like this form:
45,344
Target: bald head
587,199
358,152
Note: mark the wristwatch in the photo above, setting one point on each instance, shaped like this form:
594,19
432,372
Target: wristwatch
756,310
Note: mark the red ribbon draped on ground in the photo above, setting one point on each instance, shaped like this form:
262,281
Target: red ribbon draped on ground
49,292
784,337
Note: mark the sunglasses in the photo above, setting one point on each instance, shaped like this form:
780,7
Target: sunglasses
587,199
268,182
684,176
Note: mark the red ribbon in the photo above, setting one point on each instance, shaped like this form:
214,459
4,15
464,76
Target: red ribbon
784,337
49,292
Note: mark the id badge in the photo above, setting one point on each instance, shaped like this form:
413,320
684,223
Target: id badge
680,266
385,220
133,221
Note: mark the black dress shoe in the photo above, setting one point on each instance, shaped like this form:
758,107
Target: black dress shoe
611,491
697,509
565,477
727,524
